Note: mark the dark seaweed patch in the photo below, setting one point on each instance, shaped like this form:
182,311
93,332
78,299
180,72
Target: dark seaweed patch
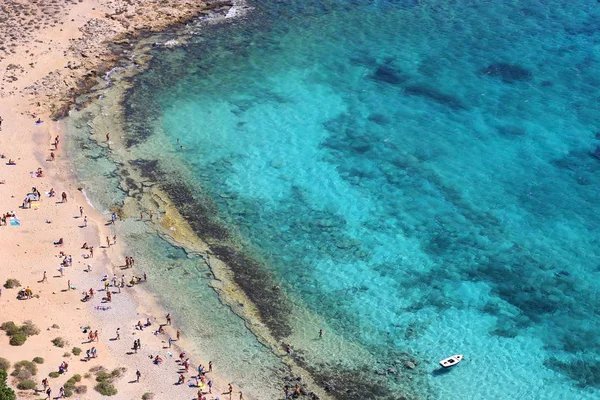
509,73
583,372
566,162
349,384
596,153
511,131
198,213
258,285
389,75
148,169
379,119
430,93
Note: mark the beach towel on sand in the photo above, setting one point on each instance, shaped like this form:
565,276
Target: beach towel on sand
14,221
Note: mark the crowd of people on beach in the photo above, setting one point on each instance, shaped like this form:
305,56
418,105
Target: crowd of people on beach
199,379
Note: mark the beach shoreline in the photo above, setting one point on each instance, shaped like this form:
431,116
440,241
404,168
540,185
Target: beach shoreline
41,94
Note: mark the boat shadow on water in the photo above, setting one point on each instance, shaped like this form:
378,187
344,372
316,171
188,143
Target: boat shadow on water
441,371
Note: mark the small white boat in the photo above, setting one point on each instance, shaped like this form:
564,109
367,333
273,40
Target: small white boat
451,361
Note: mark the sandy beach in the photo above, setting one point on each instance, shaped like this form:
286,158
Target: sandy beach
47,48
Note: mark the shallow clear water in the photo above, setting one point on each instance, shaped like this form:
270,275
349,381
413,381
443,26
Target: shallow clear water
418,177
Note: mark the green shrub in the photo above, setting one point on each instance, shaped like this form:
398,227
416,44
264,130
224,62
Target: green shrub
105,388
9,327
27,365
103,376
18,339
68,392
70,384
18,334
76,351
29,328
38,360
118,372
58,342
87,375
6,393
81,389
97,369
53,374
21,374
26,384
66,354
105,379
4,364
147,396
12,283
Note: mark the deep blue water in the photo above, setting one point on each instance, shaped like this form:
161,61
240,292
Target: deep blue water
419,177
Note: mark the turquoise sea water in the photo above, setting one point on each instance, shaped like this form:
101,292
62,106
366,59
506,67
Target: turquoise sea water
419,177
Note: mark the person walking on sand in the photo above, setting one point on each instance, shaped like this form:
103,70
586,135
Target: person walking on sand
118,333
85,221
80,212
209,384
138,374
91,252
230,390
64,197
170,341
178,334
1,123
107,136
107,241
49,393
210,366
45,278
45,383
169,319
241,396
